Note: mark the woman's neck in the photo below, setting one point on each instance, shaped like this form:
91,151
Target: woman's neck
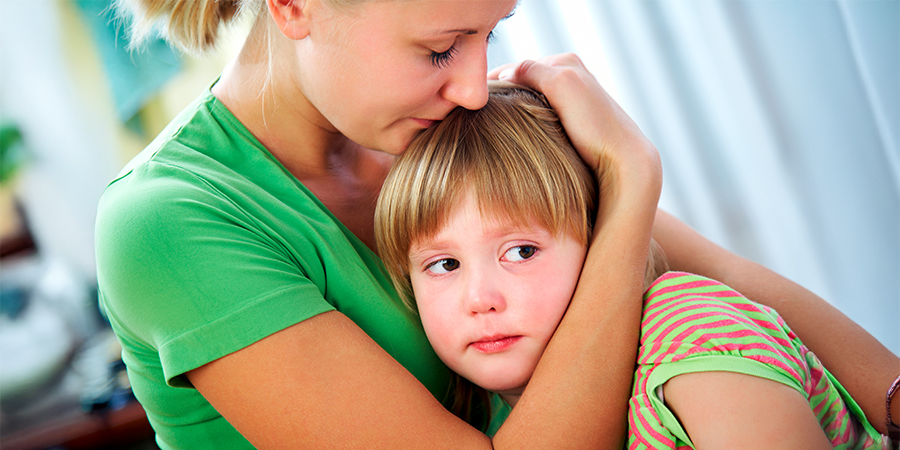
269,103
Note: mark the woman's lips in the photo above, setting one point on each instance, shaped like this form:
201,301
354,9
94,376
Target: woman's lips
425,123
494,345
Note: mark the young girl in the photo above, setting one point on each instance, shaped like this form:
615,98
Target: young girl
486,220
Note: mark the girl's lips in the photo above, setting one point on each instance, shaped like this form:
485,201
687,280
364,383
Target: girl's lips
495,345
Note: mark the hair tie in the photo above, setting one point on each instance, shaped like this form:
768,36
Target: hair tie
893,428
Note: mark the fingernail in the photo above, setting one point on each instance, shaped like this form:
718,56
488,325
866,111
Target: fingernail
506,74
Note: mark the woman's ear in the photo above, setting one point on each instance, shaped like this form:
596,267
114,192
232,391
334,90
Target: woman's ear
291,17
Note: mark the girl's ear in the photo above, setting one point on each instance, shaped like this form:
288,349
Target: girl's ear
291,17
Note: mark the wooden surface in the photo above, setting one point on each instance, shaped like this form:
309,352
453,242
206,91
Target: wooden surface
100,430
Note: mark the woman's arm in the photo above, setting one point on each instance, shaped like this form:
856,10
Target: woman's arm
325,383
597,366
860,362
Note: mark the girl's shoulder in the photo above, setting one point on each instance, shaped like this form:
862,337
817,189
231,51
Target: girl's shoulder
687,291
687,314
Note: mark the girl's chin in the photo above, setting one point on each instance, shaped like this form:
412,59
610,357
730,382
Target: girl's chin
502,386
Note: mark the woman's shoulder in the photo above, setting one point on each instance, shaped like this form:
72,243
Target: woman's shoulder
203,158
202,137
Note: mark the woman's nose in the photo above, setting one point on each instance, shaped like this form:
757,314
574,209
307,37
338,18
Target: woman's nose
467,84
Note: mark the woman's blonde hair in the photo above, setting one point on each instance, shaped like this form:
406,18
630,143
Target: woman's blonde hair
515,158
191,25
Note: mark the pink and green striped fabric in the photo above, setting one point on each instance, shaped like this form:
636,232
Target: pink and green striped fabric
694,324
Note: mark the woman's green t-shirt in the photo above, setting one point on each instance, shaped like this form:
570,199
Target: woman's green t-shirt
207,244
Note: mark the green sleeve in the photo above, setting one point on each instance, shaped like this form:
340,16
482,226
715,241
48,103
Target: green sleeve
194,276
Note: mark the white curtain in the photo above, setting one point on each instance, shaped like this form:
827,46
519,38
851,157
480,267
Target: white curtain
778,123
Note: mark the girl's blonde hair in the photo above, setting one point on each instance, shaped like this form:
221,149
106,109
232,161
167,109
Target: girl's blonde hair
515,158
512,155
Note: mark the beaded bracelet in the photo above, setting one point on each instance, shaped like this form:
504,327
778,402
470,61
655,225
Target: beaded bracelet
893,428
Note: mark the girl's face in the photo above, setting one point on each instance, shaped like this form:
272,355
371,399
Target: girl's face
490,294
384,70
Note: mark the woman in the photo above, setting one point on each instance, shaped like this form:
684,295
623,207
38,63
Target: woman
234,255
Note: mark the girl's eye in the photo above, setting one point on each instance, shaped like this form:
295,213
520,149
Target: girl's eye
491,37
443,59
443,266
520,253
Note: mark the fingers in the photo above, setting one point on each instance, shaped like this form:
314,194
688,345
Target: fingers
598,128
494,74
535,73
563,79
515,73
579,100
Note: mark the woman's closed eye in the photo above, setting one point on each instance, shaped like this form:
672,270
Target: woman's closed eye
443,266
520,253
444,58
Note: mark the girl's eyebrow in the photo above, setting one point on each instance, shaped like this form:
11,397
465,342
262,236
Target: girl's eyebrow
421,253
500,225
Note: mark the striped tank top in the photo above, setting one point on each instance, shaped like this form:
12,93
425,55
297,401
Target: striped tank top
694,324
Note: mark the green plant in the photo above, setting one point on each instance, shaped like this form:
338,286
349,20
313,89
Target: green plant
11,152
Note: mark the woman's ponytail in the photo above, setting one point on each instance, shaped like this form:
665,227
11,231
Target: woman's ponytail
191,25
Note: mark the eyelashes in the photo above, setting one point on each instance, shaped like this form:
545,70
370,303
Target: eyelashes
513,255
443,266
491,37
443,59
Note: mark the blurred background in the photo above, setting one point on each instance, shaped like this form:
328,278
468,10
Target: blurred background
778,122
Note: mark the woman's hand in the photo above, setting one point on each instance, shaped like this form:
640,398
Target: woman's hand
605,137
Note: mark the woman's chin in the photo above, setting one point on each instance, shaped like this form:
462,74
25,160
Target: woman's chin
394,147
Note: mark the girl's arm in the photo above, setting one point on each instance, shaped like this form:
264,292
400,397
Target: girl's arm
324,383
864,366
737,411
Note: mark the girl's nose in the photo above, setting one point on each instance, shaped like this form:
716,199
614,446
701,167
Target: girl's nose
467,85
484,294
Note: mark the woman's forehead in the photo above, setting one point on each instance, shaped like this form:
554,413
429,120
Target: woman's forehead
434,19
